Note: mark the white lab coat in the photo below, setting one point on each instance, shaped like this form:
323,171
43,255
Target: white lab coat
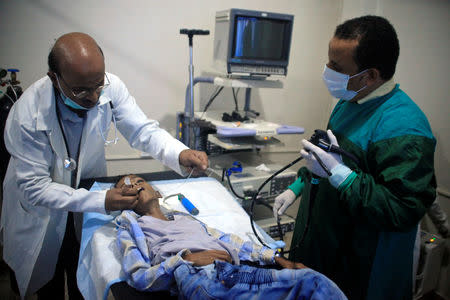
37,193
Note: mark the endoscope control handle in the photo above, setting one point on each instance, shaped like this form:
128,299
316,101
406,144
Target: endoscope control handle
320,139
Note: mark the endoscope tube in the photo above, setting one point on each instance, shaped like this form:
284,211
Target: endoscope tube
339,150
232,190
259,190
314,182
312,197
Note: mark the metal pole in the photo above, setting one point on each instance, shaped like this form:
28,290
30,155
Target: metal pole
189,107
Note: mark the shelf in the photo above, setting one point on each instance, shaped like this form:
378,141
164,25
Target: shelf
248,83
243,143
250,128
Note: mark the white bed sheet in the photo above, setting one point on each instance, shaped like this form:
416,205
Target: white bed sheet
99,263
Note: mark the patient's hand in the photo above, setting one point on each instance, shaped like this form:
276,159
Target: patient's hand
148,203
287,264
207,257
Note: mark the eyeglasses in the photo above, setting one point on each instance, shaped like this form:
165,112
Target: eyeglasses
80,93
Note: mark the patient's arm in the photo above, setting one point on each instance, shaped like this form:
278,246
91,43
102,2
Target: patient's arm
246,250
287,264
252,252
203,258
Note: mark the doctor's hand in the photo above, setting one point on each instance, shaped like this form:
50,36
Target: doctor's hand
329,159
203,258
121,198
193,159
282,202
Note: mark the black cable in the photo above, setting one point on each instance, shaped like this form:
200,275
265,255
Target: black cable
231,187
211,99
339,150
327,146
265,203
259,190
235,99
223,173
324,167
312,196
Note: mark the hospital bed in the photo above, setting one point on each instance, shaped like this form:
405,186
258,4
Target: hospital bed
99,267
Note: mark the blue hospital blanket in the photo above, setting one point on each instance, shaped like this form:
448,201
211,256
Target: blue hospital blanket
293,284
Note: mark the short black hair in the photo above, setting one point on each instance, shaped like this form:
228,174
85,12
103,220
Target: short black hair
54,58
378,45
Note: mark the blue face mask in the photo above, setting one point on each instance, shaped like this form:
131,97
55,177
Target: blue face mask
337,84
67,101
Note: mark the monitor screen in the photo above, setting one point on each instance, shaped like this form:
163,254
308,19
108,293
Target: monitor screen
259,38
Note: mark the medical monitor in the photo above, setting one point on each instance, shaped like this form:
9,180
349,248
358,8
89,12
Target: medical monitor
248,42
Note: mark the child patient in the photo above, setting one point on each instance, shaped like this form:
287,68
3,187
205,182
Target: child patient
179,253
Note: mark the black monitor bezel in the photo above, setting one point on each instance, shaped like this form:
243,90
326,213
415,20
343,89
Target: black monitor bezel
284,18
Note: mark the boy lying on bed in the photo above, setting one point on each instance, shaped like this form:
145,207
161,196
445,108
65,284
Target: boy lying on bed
176,252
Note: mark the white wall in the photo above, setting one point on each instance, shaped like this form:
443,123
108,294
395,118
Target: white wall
423,28
424,69
142,45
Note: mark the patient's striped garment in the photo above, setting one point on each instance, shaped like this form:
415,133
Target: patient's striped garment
137,260
220,280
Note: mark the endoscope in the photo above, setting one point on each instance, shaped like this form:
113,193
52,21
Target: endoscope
320,139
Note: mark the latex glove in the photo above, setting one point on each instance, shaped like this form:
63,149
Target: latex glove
282,202
329,159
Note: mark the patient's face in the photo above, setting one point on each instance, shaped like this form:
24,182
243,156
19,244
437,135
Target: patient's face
135,180
147,197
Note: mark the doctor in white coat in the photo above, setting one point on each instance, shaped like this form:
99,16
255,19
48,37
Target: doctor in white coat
55,134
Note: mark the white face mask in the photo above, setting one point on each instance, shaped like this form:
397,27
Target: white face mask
337,84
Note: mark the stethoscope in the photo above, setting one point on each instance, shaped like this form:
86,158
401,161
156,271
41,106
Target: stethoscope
68,162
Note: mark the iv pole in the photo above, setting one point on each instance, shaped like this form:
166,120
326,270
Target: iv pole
189,107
